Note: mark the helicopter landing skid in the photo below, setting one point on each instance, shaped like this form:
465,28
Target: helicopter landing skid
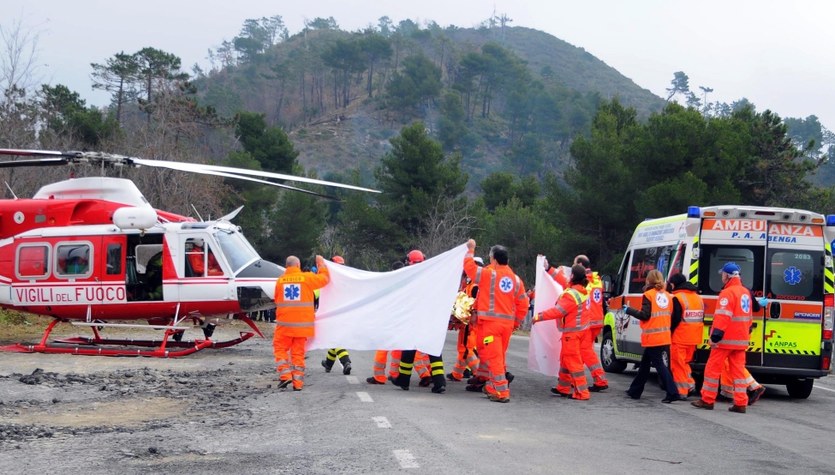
89,346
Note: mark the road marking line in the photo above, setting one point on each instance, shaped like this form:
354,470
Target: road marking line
382,422
364,396
405,459
825,389
352,379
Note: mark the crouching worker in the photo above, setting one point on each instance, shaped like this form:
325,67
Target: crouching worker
294,315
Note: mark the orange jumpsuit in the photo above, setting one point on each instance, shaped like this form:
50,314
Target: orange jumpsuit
294,315
730,332
573,322
688,317
501,306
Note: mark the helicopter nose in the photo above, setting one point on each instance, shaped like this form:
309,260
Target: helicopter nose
254,295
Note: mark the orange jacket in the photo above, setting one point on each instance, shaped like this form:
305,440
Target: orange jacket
569,310
501,293
594,304
689,330
656,330
294,294
732,318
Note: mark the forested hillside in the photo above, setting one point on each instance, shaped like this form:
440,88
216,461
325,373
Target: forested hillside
506,135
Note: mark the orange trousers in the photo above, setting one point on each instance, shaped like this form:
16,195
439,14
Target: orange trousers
380,359
572,373
727,383
466,352
289,357
492,338
713,373
680,358
590,358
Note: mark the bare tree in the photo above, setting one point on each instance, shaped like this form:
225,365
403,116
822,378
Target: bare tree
449,224
18,60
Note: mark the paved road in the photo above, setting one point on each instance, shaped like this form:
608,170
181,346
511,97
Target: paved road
219,411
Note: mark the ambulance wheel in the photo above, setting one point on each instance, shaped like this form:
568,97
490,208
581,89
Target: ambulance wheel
610,362
800,388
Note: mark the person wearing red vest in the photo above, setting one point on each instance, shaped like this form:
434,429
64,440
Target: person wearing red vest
294,315
729,337
573,321
687,322
654,316
501,306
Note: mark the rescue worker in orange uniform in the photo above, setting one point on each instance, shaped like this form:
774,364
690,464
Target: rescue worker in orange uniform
410,359
754,389
337,353
467,357
729,337
294,315
655,317
501,306
381,357
196,254
572,318
687,324
595,308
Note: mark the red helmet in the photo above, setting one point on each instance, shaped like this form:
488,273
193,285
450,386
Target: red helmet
415,256
338,259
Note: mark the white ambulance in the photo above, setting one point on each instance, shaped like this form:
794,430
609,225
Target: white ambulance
784,255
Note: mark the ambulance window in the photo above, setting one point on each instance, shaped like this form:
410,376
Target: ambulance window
72,260
794,275
749,260
33,261
619,284
678,260
645,260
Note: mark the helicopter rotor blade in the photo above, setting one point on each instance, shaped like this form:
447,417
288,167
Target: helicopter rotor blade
257,180
202,168
51,157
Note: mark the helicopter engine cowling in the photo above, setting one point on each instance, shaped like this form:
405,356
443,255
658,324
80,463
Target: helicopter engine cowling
131,217
253,298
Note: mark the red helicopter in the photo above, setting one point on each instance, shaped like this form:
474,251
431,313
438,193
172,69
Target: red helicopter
94,252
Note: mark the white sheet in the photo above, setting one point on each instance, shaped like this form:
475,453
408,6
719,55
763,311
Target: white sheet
544,347
399,310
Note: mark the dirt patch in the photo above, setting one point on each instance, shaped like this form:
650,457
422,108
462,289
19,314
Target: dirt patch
123,413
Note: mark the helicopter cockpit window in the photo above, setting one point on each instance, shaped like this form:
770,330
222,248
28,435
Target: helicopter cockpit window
200,261
238,251
73,259
33,261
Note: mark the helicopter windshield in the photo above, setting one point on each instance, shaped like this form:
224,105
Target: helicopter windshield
238,251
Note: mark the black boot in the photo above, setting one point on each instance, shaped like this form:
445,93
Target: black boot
438,384
327,364
402,381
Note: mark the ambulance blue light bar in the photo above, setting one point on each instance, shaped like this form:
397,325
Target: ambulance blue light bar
696,212
830,219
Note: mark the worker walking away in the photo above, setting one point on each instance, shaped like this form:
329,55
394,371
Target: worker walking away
655,317
412,359
337,353
294,309
729,336
686,326
501,306
572,318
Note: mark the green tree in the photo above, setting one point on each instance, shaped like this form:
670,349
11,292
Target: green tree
679,85
117,76
419,81
414,177
374,48
67,116
452,126
159,73
269,146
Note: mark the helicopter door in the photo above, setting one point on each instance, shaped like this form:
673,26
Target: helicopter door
111,272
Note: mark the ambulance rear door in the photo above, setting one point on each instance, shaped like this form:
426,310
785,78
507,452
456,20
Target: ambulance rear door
794,272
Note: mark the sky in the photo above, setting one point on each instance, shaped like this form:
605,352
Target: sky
777,54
